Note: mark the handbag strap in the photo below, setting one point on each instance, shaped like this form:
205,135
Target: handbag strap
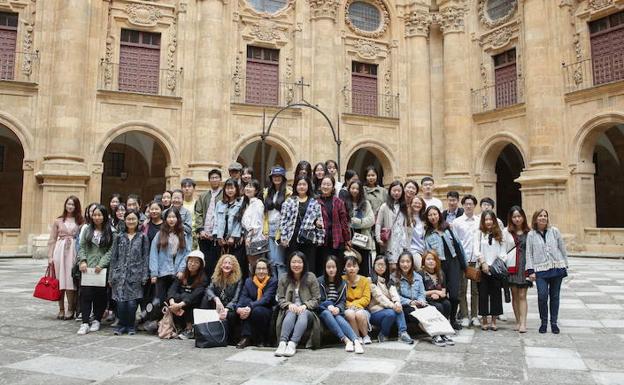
50,271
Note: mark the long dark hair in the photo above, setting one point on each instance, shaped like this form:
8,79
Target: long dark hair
525,224
337,278
107,231
77,210
386,274
165,230
303,165
398,273
114,218
87,214
234,183
421,214
290,274
310,192
496,230
245,204
429,227
281,195
373,169
315,180
360,203
402,203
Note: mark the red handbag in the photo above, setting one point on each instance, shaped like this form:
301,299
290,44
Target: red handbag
48,286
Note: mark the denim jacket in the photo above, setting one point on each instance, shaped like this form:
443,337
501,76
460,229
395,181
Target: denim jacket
412,292
162,264
436,241
234,221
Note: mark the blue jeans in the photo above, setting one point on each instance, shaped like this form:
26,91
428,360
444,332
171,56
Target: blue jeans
276,257
548,288
385,318
126,312
337,325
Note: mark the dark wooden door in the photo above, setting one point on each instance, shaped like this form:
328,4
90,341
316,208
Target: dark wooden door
505,85
139,69
364,94
8,38
262,86
608,56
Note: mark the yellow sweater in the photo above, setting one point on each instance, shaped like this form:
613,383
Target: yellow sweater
360,295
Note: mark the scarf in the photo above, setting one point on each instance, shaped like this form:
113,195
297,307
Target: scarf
260,284
514,269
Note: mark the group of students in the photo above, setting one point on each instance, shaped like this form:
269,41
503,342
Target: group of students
343,257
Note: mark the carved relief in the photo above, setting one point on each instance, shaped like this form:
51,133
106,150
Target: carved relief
27,164
288,73
347,95
238,73
499,38
451,18
142,14
484,80
599,4
324,9
108,57
417,23
265,31
389,105
366,49
383,25
485,19
171,51
27,43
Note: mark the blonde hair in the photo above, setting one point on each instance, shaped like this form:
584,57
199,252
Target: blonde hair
220,279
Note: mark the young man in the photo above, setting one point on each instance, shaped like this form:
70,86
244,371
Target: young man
453,211
235,170
187,185
204,221
465,226
427,184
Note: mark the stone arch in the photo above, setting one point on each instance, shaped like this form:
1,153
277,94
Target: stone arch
275,140
585,140
492,147
381,152
12,178
19,129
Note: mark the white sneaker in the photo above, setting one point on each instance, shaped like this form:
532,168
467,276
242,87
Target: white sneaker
291,349
475,322
358,347
465,322
349,346
281,349
95,326
366,340
84,329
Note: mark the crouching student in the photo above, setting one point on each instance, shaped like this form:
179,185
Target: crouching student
435,287
255,305
185,294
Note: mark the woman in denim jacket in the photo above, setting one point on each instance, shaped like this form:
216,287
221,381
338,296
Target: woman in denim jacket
228,230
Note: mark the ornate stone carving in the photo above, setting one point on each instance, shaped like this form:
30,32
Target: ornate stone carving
485,19
578,50
143,14
171,54
27,164
108,56
366,49
499,38
238,74
383,25
451,18
599,4
389,103
417,23
265,31
288,73
484,77
324,9
27,46
347,95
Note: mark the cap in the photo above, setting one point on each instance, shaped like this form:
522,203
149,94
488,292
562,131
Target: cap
278,171
235,166
197,254
353,253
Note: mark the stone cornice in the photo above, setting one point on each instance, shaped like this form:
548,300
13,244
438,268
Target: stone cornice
417,23
324,9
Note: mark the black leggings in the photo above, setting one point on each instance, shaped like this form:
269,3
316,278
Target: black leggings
92,298
452,272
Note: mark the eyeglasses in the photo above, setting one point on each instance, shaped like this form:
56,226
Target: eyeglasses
261,269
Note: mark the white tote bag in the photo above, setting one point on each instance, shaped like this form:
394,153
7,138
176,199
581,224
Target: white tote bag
432,321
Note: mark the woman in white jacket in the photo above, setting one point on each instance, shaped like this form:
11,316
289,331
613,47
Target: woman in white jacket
252,220
488,245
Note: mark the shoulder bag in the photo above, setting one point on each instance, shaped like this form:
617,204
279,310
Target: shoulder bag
48,286
211,334
474,273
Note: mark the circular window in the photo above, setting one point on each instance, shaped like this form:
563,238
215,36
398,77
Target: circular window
364,16
497,9
268,6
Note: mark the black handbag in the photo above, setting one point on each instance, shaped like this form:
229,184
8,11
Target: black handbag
211,334
258,247
498,269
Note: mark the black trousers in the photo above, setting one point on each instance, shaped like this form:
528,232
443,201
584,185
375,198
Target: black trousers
211,251
452,272
409,319
92,298
490,298
443,306
257,324
162,287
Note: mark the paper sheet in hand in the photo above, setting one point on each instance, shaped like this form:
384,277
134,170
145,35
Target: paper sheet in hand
90,278
201,316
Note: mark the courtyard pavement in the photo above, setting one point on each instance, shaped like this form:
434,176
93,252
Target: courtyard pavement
35,348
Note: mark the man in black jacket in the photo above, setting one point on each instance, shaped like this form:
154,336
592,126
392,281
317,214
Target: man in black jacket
204,222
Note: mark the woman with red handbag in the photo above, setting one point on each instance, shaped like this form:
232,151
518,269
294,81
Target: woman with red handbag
62,253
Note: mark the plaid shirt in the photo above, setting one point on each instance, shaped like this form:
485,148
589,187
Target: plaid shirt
340,230
313,214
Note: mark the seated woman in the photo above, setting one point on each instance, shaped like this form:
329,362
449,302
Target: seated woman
223,292
255,305
185,293
298,297
385,305
358,298
435,286
332,307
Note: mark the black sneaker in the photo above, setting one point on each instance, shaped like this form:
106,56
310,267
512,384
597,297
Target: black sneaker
543,328
554,328
457,326
186,335
449,341
438,341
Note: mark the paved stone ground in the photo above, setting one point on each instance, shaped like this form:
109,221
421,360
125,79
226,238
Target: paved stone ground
35,348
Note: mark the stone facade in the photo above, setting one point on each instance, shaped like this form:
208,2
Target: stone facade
64,108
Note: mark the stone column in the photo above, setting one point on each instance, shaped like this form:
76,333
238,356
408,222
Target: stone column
417,22
210,91
457,113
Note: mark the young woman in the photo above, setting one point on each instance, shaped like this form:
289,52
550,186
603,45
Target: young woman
168,254
298,297
134,203
227,229
332,306
417,228
547,264
319,173
435,286
252,220
62,253
488,245
177,201
186,293
332,170
303,170
223,292
373,191
255,305
155,221
515,235
358,298
166,199
385,306
390,229
114,201
411,189
129,271
349,176
95,251
117,223
441,238
301,223
335,222
362,221
274,197
246,176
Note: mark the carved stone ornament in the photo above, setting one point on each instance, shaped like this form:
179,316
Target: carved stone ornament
451,18
142,14
265,31
486,20
599,4
499,38
383,25
171,55
417,23
27,42
366,49
324,9
238,74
